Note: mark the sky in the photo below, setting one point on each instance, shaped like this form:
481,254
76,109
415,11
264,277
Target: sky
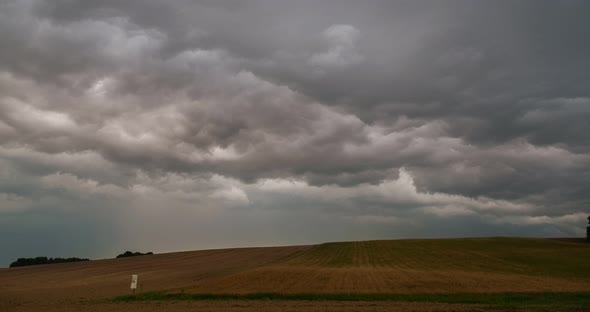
181,125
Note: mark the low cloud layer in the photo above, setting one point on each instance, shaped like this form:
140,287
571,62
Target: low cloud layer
166,126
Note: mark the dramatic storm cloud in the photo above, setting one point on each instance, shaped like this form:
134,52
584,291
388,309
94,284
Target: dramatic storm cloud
168,125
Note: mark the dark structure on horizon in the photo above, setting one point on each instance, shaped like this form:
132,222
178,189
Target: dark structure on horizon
588,230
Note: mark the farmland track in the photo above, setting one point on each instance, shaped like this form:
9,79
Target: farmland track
250,306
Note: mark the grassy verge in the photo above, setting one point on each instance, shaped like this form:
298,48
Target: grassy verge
505,299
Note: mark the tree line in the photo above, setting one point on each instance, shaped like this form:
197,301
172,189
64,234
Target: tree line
43,260
134,254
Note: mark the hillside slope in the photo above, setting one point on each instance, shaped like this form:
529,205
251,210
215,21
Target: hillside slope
108,278
419,266
396,266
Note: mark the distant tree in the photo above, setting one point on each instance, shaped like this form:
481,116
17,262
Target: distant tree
133,254
43,260
588,230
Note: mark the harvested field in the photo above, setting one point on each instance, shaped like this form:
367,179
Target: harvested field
419,266
486,265
108,278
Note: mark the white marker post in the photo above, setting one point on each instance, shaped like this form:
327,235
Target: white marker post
133,283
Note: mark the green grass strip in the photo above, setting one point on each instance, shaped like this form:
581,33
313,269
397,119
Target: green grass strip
539,298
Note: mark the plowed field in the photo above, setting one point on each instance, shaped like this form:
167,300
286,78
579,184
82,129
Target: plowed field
486,265
419,266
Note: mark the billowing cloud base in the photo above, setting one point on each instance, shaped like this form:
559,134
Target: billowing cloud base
160,126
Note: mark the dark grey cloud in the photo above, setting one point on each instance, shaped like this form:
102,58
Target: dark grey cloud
254,119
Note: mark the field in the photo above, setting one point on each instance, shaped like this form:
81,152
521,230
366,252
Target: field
423,275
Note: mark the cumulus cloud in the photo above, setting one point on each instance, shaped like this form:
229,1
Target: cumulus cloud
342,51
349,120
395,195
